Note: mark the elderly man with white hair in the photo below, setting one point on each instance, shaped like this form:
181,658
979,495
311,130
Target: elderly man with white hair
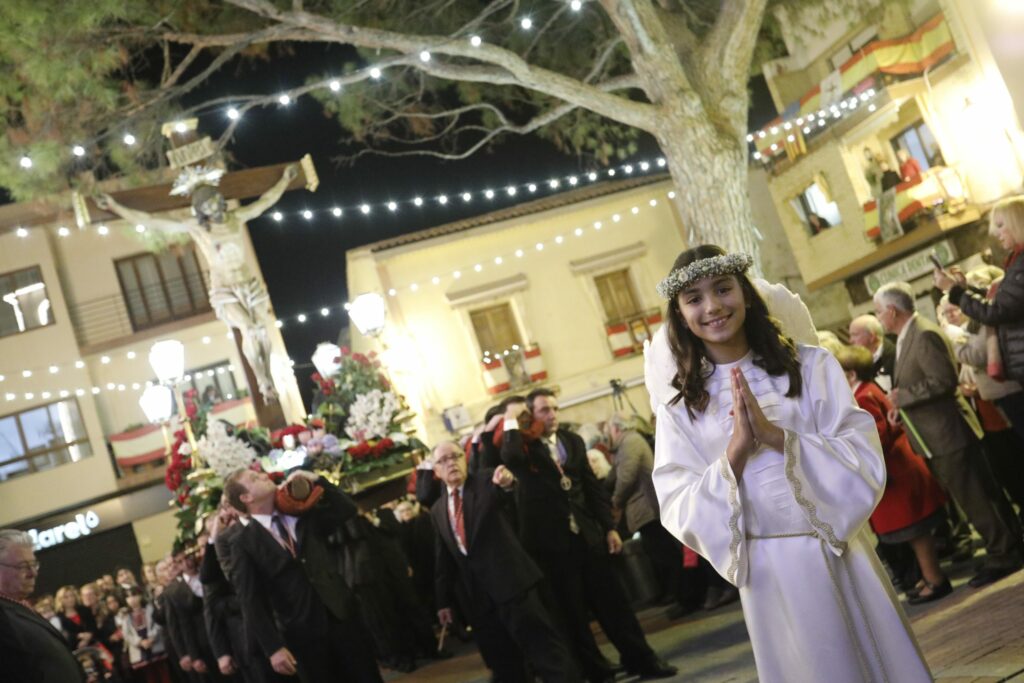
867,331
31,649
943,428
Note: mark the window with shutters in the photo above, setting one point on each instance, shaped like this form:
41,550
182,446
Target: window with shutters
616,292
159,288
627,324
496,329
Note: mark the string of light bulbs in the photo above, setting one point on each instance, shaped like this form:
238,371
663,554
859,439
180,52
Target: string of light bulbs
52,369
375,71
504,258
111,387
454,197
768,141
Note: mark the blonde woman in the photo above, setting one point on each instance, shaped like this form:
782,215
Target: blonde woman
1005,310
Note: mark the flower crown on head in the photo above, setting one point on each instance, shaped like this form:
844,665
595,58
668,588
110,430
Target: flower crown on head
726,264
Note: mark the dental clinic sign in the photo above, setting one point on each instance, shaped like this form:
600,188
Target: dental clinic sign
82,525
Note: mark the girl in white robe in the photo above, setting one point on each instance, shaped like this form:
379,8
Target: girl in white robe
766,467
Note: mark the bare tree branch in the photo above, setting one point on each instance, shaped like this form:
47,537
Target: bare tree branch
503,66
172,78
534,124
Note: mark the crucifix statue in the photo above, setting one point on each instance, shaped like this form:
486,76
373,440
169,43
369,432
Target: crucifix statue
237,298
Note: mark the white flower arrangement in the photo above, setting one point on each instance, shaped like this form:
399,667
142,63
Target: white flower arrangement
371,415
726,264
223,452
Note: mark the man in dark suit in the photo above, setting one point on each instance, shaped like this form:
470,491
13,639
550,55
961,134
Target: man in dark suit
867,331
183,605
565,523
942,427
288,578
480,557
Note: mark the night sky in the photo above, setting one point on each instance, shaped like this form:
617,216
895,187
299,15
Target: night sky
303,261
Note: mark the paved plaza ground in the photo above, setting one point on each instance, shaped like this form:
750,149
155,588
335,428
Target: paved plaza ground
973,636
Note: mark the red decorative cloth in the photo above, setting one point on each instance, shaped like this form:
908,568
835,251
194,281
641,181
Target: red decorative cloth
911,492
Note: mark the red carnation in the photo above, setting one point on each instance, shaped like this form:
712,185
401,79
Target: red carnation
277,436
345,350
360,358
360,450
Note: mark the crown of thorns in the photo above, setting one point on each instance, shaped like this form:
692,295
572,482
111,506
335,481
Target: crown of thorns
726,264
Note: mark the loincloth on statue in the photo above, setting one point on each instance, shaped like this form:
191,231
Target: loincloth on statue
250,295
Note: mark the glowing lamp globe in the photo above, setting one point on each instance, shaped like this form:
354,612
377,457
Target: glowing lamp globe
167,358
368,313
156,402
325,358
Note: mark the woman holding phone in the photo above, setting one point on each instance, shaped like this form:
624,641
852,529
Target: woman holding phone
1005,310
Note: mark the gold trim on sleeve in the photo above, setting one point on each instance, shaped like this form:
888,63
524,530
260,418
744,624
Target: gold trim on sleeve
734,520
790,454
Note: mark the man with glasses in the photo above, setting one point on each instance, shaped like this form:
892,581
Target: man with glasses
480,561
31,649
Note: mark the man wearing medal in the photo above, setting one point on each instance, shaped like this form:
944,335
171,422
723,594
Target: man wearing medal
565,523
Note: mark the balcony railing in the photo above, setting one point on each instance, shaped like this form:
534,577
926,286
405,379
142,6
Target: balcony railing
513,369
939,190
120,315
852,88
626,336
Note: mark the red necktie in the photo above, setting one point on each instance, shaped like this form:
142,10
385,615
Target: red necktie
460,524
282,531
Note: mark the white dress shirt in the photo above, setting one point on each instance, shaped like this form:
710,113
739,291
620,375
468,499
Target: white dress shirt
289,524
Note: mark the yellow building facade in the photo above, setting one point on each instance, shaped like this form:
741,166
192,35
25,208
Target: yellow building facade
558,292
80,310
914,91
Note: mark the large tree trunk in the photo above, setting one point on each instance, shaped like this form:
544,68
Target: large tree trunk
711,187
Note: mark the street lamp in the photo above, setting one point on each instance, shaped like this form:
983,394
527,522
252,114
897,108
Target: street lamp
167,358
368,313
325,358
157,402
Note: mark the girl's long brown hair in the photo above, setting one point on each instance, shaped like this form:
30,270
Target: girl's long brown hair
774,352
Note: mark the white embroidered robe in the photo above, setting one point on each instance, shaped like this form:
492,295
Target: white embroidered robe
791,534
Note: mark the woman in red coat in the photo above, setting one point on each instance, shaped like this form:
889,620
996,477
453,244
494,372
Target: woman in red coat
912,503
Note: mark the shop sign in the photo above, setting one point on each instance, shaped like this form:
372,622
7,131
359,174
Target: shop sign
81,525
911,267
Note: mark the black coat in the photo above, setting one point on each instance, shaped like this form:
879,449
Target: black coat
544,508
1005,312
32,650
185,623
221,611
297,593
496,568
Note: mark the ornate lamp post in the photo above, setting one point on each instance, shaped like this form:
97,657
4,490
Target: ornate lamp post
368,313
157,402
167,358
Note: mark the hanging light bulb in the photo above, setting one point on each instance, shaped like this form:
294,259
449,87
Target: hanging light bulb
285,99
233,114
78,151
129,139
392,206
25,162
334,85
475,41
526,23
